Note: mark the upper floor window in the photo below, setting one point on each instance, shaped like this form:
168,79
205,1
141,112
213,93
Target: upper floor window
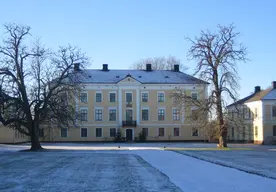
83,114
273,111
161,114
176,114
112,114
194,96
98,97
161,97
128,97
98,114
194,114
145,114
83,97
112,97
145,97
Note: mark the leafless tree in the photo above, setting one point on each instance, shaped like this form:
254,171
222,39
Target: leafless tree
217,54
37,86
159,63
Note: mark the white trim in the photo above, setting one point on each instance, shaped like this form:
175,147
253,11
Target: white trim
132,133
96,132
112,128
272,111
137,107
126,113
195,93
84,108
145,108
96,96
164,96
115,96
142,97
86,132
86,96
175,108
120,106
163,108
131,96
112,108
98,108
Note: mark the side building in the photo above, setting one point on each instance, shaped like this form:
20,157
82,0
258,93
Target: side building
258,112
131,101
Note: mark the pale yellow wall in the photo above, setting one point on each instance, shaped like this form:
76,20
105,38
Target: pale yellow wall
8,135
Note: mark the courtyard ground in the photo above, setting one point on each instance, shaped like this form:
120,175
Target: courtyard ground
132,167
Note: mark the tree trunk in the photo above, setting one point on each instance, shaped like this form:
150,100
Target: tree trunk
222,140
35,139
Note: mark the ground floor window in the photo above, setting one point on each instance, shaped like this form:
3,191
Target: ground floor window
256,131
63,132
176,131
112,132
41,132
146,131
161,132
195,132
274,130
83,132
99,132
233,132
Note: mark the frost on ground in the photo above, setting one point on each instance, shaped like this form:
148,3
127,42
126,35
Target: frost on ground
91,171
258,162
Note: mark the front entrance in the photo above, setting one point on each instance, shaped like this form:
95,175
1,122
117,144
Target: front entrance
129,135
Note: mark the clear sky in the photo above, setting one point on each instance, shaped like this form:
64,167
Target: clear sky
120,32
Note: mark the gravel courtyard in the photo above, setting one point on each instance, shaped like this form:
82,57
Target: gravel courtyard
91,171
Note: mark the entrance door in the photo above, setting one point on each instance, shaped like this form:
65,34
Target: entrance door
129,114
129,134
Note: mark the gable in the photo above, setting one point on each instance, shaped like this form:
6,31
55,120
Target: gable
129,80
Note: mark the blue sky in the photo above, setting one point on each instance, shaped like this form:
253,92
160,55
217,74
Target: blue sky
120,32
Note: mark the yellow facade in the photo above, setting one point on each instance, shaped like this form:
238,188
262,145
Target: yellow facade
11,136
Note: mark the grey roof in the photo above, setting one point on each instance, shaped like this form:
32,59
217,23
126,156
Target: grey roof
270,95
143,76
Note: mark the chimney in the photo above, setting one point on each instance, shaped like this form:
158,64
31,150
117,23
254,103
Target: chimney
76,67
176,68
273,84
148,66
257,89
105,67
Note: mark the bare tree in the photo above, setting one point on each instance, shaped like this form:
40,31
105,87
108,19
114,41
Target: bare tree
36,86
159,63
216,55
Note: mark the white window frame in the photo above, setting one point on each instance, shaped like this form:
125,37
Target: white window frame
98,108
84,108
85,92
101,132
126,96
159,132
158,114
174,108
101,96
66,133
145,108
112,108
178,131
115,131
142,96
109,93
158,97
194,93
272,111
86,132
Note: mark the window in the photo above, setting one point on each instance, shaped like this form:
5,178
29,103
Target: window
145,114
194,115
233,133
112,132
274,130
176,114
176,131
98,132
83,97
98,114
161,132
244,112
256,131
194,96
129,115
83,132
83,114
256,112
161,97
98,97
249,113
63,132
195,132
161,114
112,114
145,97
128,97
41,132
146,131
112,97
273,111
